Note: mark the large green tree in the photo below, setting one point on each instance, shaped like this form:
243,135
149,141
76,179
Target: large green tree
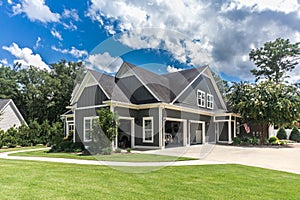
275,59
266,102
40,94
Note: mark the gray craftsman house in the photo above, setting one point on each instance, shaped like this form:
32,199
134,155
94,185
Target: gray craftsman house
155,111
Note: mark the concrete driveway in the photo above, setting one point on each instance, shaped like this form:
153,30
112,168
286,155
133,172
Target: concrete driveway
277,158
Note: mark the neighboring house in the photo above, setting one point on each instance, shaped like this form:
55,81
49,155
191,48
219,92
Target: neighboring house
155,111
9,115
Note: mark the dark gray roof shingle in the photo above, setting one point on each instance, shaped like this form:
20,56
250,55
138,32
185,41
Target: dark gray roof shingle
3,102
165,87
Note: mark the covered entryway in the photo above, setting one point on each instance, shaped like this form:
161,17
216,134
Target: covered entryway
175,132
197,132
126,133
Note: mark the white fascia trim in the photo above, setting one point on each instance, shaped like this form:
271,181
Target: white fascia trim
189,85
89,107
144,84
152,135
156,105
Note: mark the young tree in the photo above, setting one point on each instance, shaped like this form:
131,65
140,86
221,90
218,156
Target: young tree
274,59
108,122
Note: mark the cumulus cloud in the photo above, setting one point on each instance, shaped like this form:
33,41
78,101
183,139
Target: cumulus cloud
25,56
56,34
104,62
171,69
4,61
219,33
35,10
73,51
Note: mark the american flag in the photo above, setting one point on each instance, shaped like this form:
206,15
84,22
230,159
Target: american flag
247,128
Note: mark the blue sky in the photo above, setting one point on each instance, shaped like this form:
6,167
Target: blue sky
159,35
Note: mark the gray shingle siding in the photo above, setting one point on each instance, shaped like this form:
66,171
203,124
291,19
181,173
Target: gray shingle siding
91,96
189,97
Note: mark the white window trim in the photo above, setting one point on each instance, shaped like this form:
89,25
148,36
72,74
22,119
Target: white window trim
211,102
202,100
84,119
144,139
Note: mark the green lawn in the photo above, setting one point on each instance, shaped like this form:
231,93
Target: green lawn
20,148
124,157
42,180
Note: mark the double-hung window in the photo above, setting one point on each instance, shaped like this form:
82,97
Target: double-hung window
148,129
201,98
88,128
210,101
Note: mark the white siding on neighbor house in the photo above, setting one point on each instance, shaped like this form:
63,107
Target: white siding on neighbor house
9,118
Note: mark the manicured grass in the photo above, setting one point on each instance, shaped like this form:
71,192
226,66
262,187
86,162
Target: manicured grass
42,180
120,157
20,148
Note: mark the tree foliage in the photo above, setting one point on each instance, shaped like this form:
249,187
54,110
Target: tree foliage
275,59
109,123
39,94
266,102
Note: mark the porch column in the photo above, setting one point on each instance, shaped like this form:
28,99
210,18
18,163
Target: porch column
160,127
229,132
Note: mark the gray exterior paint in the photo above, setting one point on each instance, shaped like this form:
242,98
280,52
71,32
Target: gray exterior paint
135,91
91,96
189,97
136,86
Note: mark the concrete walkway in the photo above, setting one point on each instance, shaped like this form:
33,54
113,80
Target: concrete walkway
283,159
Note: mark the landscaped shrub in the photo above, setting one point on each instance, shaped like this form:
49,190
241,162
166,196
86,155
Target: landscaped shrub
295,134
118,150
273,140
281,134
128,150
107,151
236,140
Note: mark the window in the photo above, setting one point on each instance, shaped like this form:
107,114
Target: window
148,129
201,98
88,128
210,101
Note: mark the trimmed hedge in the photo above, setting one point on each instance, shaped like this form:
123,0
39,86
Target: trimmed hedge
295,134
281,134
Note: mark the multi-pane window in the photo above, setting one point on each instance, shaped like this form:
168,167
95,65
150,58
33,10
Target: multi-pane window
88,128
147,129
210,101
201,98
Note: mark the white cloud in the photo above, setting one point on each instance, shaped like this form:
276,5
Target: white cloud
218,33
104,62
73,51
72,13
285,6
4,61
37,43
171,69
9,1
35,10
56,34
25,56
70,26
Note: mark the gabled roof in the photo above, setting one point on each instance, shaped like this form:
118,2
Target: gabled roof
109,86
5,102
164,88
